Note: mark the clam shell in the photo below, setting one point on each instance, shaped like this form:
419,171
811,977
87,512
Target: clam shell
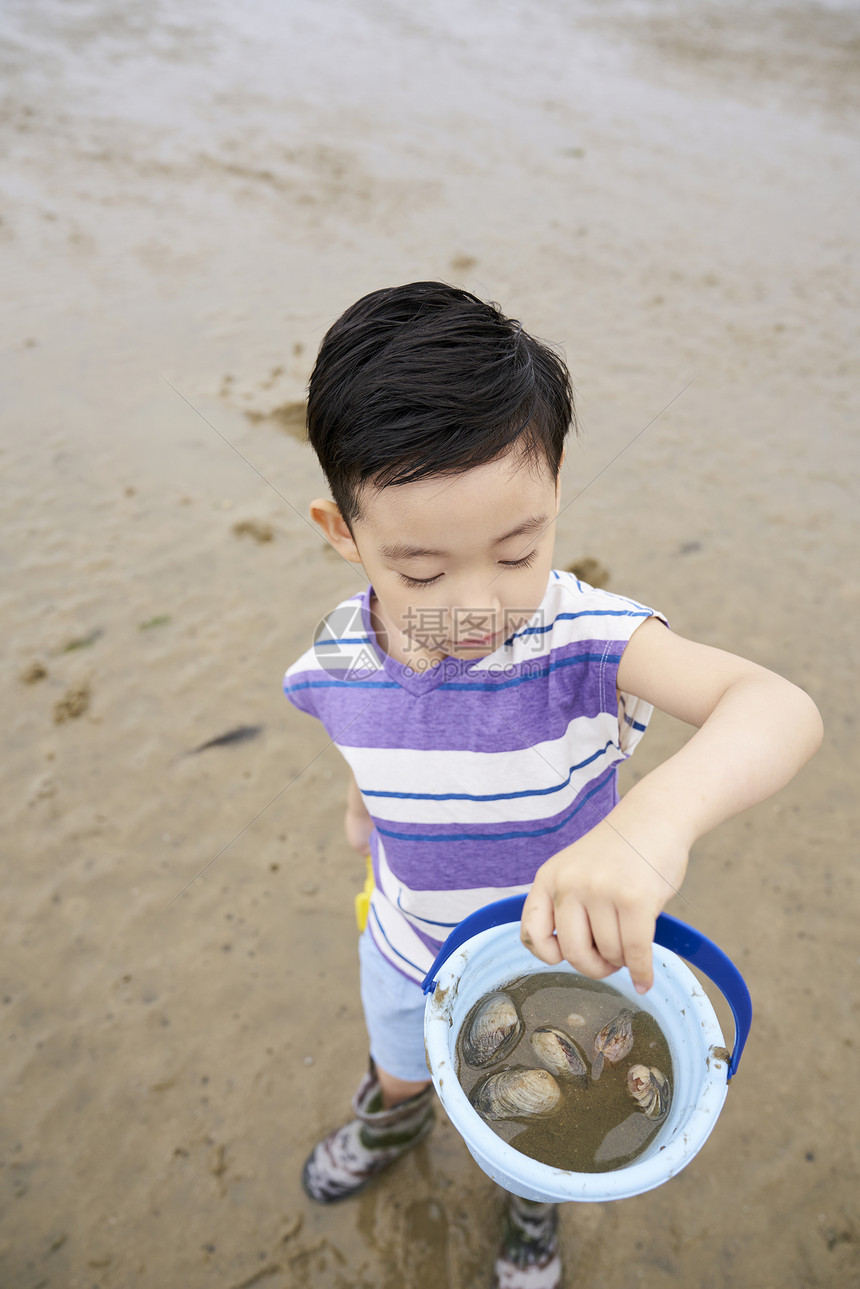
516,1094
613,1042
559,1053
492,1031
649,1089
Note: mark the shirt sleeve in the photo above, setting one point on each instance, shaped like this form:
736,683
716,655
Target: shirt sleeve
603,623
298,684
634,713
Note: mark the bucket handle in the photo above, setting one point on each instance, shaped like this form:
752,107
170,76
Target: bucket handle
669,933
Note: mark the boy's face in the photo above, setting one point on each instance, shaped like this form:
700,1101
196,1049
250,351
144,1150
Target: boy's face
457,563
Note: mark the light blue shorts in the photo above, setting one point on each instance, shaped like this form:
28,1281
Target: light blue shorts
394,1014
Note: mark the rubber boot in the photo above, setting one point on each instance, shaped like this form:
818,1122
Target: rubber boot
528,1256
345,1161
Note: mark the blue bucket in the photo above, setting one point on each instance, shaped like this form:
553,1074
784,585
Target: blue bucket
484,953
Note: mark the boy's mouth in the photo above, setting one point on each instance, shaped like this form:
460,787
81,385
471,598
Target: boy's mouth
477,642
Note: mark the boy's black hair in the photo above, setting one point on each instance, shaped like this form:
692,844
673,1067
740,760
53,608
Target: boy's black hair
425,379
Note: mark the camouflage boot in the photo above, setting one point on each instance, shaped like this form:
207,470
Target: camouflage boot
345,1161
528,1256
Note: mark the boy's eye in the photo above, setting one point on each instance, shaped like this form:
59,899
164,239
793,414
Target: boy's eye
525,562
416,581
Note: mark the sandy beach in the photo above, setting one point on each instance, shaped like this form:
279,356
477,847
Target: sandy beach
190,196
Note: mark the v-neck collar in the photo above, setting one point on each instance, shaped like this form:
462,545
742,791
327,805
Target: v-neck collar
413,680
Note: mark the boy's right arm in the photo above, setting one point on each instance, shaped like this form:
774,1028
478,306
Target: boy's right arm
358,823
595,903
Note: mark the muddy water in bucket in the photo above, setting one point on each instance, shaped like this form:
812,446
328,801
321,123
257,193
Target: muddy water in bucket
596,1125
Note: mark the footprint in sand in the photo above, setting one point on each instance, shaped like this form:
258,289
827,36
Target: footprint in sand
288,416
73,704
589,570
254,528
34,673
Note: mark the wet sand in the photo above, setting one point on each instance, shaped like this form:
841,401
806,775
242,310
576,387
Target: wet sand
189,197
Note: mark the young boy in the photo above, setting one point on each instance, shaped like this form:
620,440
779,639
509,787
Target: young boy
483,699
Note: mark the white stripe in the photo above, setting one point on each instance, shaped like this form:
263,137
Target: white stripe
537,770
398,942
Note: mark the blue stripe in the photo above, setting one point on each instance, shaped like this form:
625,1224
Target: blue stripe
333,640
530,674
294,685
449,926
585,613
499,836
400,955
453,685
493,796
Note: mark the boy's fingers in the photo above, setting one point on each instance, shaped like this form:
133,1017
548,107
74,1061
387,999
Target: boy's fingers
637,936
606,933
537,926
576,941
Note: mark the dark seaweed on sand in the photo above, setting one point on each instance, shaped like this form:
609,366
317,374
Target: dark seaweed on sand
242,734
83,642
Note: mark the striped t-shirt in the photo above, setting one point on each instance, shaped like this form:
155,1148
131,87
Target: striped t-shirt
474,771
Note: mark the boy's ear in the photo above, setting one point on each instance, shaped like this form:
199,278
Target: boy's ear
327,517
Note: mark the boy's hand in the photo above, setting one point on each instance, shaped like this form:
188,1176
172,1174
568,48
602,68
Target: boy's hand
601,896
358,826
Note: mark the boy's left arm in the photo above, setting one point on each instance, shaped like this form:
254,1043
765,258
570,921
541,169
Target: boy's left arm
602,894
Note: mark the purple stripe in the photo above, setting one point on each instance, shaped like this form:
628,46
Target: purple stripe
429,943
484,856
377,713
